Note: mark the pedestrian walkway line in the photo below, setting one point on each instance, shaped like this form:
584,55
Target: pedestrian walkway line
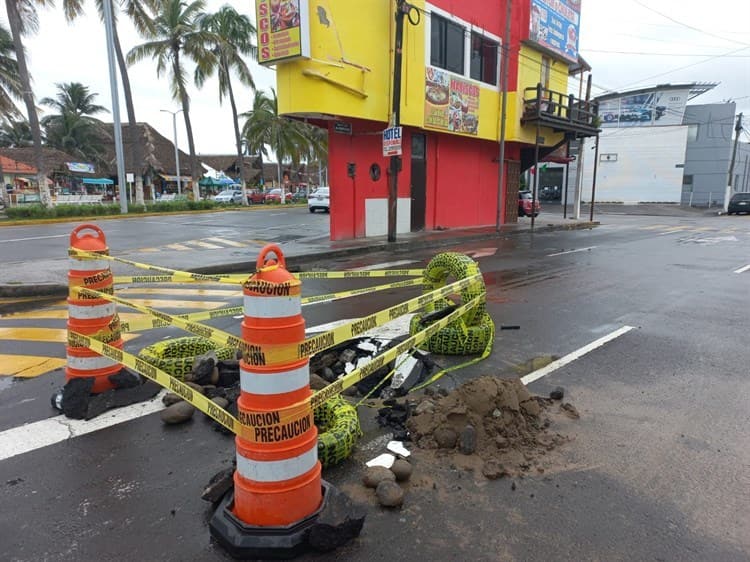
170,304
570,357
47,335
202,244
227,242
571,251
653,227
742,269
178,247
33,436
28,366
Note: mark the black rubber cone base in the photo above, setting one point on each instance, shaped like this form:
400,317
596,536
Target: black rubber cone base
244,541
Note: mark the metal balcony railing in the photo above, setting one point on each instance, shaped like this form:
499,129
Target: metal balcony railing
561,112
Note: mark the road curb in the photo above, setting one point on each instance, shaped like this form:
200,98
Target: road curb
299,262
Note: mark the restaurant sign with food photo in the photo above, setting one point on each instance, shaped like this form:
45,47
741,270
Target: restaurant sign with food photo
283,30
451,103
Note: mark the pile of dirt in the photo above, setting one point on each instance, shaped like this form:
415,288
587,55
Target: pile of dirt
496,422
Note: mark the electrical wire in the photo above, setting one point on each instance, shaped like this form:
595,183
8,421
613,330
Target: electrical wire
661,54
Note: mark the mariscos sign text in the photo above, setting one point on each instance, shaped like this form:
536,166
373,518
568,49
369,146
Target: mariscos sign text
283,30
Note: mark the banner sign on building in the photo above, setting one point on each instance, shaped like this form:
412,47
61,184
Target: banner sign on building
80,167
283,30
645,109
554,25
392,141
451,103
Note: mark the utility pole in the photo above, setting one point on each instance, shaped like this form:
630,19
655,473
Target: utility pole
502,185
395,164
737,131
117,126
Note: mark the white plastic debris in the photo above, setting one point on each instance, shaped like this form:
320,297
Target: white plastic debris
405,364
385,460
367,345
397,447
348,368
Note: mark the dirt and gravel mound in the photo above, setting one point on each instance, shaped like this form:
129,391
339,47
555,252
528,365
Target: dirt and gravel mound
496,422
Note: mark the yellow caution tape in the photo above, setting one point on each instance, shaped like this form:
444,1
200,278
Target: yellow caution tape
268,426
150,323
241,278
285,353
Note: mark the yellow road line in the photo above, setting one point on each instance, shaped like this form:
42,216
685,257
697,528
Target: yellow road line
178,247
259,242
227,242
162,303
28,366
180,292
202,244
49,335
149,250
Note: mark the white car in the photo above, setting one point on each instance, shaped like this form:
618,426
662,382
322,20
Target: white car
320,199
229,196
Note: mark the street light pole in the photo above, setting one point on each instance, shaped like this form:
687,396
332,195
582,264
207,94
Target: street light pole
176,150
119,154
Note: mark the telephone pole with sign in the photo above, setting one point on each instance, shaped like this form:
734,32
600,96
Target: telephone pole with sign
402,9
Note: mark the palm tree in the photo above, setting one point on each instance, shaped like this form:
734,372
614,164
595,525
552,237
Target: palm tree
10,80
15,134
23,20
173,33
73,129
134,9
265,128
232,34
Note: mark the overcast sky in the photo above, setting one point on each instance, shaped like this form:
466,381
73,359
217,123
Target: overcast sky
710,39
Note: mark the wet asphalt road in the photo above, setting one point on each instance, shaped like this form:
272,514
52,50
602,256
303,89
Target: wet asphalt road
659,467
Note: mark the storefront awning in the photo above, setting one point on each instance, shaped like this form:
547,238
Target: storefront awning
167,177
98,181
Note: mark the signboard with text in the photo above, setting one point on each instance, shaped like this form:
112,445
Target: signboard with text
451,103
554,25
645,109
81,167
392,141
283,30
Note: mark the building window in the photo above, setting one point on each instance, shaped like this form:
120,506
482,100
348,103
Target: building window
447,45
483,59
687,179
692,133
546,68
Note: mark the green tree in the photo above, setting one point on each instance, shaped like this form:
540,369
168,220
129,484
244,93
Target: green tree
264,128
136,12
23,20
232,39
172,34
73,129
15,134
10,79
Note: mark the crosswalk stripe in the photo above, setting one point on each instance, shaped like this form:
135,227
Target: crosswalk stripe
49,335
172,304
28,366
202,244
227,242
178,247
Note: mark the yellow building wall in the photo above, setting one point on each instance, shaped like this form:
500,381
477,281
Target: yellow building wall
350,72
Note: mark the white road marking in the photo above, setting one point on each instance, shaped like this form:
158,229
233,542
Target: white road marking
482,253
571,251
383,265
570,357
742,269
228,242
33,436
35,238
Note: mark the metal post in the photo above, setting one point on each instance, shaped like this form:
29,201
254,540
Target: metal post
176,150
728,193
567,178
536,173
119,154
593,181
395,162
502,185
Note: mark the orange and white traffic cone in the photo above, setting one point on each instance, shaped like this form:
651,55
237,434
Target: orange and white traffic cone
93,317
278,491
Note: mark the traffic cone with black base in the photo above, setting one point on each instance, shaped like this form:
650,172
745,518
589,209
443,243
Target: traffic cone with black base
278,494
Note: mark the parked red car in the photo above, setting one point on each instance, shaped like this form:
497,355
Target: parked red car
255,196
524,204
274,196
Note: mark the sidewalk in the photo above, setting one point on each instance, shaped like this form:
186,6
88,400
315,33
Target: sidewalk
49,277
